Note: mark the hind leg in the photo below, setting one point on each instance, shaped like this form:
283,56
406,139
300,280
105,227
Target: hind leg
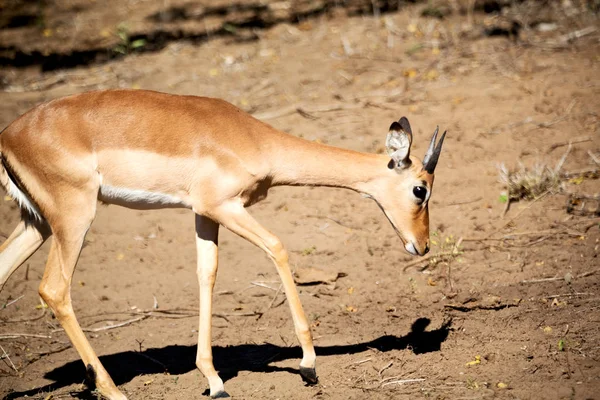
20,245
69,225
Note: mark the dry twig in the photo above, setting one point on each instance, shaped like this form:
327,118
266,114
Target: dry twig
5,355
510,221
358,362
385,367
402,381
19,335
555,296
260,284
442,255
594,157
353,227
567,142
275,296
13,301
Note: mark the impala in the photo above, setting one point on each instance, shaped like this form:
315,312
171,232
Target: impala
149,150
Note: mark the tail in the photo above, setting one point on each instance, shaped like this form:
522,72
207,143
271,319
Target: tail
12,185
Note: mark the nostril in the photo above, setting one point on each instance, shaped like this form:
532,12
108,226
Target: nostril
426,249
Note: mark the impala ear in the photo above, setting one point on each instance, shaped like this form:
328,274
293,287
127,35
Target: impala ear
398,143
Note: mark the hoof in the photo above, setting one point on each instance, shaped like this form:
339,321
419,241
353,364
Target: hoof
90,377
220,395
309,375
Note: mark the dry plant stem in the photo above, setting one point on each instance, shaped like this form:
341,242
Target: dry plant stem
519,213
427,258
566,143
577,34
580,172
563,159
264,286
275,297
449,274
357,228
559,119
108,327
513,236
19,335
403,381
507,205
459,203
555,296
45,353
384,368
5,355
453,252
14,301
559,278
594,157
358,362
151,314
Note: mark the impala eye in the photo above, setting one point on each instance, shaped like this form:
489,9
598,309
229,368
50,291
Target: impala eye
420,192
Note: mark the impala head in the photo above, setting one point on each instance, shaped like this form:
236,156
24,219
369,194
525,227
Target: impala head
407,188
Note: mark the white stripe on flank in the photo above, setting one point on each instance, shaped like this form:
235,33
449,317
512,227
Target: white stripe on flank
135,198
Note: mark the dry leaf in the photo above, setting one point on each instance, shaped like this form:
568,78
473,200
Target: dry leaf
474,362
410,73
432,75
577,181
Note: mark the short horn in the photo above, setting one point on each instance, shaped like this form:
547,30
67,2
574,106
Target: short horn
433,153
431,146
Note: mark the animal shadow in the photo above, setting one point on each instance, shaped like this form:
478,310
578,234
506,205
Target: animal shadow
229,360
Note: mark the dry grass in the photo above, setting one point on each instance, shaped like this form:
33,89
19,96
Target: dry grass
529,183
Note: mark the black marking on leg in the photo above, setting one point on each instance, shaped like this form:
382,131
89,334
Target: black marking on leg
221,394
90,377
309,375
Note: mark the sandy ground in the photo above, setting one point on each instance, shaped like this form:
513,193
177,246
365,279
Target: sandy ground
476,320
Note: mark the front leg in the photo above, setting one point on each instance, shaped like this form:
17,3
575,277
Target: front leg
207,232
235,218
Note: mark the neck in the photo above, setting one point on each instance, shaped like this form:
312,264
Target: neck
298,162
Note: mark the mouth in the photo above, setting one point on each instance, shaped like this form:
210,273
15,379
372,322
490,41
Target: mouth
409,247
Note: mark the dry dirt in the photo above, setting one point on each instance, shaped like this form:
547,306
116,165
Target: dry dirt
476,320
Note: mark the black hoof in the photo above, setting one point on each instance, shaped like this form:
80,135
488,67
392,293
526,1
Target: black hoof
309,375
90,377
220,395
